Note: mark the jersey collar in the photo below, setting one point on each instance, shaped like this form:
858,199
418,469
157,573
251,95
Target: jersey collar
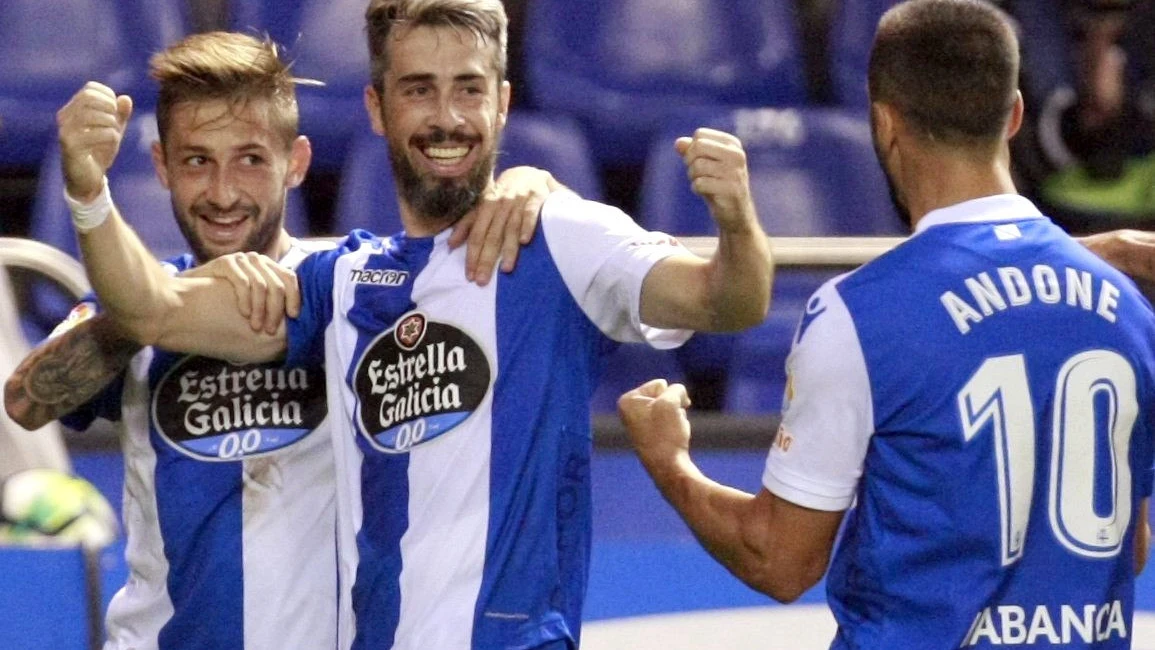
1000,207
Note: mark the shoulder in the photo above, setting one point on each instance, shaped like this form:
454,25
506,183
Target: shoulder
314,245
326,251
825,313
178,263
565,210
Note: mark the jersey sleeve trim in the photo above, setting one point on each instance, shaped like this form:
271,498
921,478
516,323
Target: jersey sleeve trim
802,491
603,257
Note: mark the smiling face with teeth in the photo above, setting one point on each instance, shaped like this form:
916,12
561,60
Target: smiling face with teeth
227,169
442,108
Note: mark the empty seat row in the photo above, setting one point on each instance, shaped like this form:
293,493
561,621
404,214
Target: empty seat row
620,67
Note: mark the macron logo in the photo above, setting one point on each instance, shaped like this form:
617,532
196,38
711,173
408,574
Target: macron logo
380,277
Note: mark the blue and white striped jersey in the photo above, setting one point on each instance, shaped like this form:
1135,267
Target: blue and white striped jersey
983,395
229,505
463,442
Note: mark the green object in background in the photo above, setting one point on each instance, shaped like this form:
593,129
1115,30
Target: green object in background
1130,195
46,508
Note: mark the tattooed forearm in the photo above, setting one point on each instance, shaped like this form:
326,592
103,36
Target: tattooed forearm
66,371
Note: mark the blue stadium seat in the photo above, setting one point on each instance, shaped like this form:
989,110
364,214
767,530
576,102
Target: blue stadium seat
630,366
623,66
756,373
756,376
367,196
326,41
851,35
1046,48
49,52
813,172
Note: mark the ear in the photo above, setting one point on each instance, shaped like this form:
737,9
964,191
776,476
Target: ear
300,155
884,118
1016,120
503,95
160,164
373,108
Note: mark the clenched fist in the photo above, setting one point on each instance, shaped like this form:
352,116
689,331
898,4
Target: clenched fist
716,164
655,416
91,126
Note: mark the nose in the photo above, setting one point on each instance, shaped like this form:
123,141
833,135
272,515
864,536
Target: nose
221,194
448,115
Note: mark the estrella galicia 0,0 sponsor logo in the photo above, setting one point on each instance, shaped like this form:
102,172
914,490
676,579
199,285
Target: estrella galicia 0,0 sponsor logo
215,410
416,382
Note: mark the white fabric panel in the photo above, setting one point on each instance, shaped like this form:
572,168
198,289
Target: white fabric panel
287,515
142,606
605,273
340,340
828,413
21,449
439,591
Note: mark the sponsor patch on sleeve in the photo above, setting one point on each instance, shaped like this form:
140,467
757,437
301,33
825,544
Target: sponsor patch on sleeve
80,313
656,239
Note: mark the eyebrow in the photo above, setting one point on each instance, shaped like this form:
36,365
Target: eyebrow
425,77
196,148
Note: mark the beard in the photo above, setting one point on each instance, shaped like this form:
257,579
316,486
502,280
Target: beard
899,207
260,239
891,187
440,199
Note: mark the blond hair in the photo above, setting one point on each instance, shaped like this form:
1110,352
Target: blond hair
237,68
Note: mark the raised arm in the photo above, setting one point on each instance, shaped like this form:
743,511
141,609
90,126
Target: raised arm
779,548
150,306
66,371
731,290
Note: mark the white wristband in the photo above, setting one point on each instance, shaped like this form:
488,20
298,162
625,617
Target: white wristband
86,216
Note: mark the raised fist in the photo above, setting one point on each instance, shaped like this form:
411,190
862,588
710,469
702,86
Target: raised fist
91,126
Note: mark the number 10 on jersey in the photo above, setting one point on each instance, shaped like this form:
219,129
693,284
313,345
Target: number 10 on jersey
998,398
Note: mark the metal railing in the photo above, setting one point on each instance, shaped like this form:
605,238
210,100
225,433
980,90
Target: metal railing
811,251
712,428
46,260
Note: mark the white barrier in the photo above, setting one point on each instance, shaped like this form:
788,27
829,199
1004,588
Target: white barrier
20,449
811,251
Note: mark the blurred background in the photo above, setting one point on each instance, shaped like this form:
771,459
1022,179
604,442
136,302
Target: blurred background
600,90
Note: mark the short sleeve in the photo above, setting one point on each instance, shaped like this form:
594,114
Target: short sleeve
603,257
306,332
827,419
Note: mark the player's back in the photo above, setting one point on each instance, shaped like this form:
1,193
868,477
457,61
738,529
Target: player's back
1009,370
